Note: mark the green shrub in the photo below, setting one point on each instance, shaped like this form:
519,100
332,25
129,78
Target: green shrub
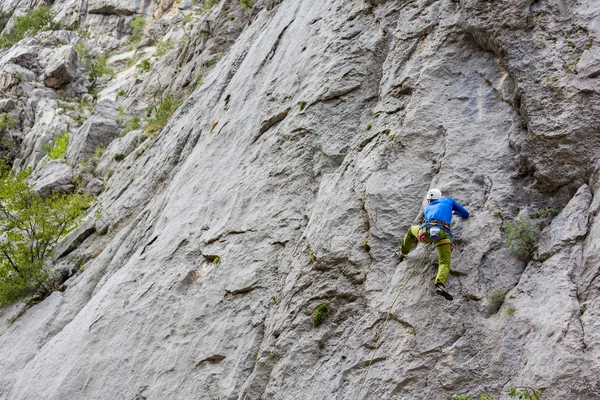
144,66
7,121
138,24
162,113
248,4
99,152
208,4
510,311
524,393
4,18
31,23
97,66
320,314
58,149
163,47
302,104
497,296
31,226
369,126
520,237
133,124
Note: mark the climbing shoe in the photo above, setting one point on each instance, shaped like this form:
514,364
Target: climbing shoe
400,256
442,292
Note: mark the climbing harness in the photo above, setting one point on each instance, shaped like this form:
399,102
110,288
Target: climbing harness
389,310
434,228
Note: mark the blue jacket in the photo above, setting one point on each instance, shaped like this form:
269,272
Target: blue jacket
441,210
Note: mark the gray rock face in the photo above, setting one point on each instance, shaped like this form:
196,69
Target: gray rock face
288,178
54,176
62,67
119,7
99,130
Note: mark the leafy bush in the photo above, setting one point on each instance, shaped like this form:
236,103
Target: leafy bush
208,4
162,113
320,314
143,67
521,393
31,226
32,22
4,18
59,146
497,296
247,4
163,47
138,24
97,66
7,121
132,125
520,237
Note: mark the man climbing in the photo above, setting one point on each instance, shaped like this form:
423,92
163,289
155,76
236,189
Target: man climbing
438,217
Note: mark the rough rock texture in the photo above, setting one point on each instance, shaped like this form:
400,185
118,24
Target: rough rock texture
98,131
62,67
54,176
288,178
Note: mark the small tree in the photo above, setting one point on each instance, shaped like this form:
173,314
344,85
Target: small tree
520,237
31,23
30,228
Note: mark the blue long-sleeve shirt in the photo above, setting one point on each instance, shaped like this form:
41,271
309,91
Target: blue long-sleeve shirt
441,210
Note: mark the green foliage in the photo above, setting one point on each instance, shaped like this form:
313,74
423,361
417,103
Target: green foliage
248,4
97,66
163,47
311,255
524,393
460,397
392,136
510,311
521,393
4,18
497,296
162,113
31,226
217,260
366,245
546,212
133,124
369,126
121,93
7,121
582,310
144,66
31,23
550,79
59,146
320,314
302,104
99,152
496,210
520,237
138,24
208,4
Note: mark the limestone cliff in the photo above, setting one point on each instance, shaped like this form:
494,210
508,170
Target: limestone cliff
309,134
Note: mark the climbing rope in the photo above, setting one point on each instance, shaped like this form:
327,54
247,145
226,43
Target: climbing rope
382,331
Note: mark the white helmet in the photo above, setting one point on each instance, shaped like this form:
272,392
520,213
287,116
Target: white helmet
434,194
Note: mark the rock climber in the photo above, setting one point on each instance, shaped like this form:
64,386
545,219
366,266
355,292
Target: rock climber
436,229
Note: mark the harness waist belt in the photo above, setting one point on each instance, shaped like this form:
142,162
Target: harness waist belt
438,223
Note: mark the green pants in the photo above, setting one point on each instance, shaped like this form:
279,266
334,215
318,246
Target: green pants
444,253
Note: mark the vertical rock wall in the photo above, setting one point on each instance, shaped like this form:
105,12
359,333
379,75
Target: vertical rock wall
320,130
